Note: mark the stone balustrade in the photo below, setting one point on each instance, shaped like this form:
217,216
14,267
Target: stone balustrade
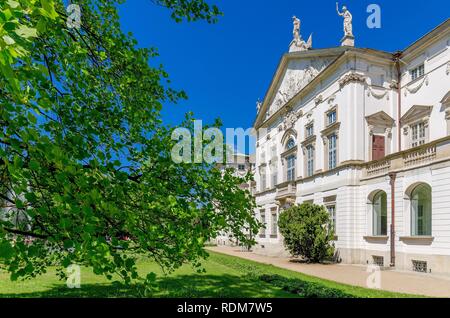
411,158
286,189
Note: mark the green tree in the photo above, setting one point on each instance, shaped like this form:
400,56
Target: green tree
306,232
85,159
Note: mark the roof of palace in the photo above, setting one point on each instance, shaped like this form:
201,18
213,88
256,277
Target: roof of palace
340,54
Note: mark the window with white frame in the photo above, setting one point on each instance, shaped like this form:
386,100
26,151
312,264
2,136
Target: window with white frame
379,214
309,130
241,167
418,134
421,210
309,160
417,72
274,223
332,211
290,168
274,174
290,144
331,117
332,151
262,173
262,230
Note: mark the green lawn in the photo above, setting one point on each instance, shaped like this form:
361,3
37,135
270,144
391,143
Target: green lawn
225,276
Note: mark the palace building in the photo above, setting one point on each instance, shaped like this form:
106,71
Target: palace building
366,133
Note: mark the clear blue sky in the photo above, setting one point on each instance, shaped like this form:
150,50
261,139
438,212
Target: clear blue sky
226,67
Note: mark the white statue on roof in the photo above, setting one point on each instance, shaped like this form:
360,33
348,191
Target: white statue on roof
348,39
298,44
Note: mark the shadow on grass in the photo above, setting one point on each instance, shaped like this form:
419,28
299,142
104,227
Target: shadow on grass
180,286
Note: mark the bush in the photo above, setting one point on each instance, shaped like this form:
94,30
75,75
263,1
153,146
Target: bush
303,288
307,232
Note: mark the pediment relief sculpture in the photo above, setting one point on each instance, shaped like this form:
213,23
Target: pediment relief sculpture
295,81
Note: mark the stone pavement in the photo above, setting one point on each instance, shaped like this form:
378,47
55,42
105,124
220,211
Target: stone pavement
357,275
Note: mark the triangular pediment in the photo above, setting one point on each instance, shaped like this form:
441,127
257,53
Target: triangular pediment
416,112
380,119
295,71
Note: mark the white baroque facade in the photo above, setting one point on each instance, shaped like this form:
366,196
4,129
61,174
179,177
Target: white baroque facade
365,133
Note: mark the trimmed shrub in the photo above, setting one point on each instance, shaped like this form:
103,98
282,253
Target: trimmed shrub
307,232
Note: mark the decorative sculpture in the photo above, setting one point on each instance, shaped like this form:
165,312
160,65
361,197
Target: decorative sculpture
348,39
258,105
296,31
298,44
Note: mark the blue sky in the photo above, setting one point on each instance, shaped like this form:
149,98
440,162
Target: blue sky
226,67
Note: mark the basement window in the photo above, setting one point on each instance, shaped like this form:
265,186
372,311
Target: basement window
419,266
378,260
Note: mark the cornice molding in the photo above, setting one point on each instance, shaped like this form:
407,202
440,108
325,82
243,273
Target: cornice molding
352,78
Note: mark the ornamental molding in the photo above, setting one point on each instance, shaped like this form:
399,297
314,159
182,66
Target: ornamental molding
318,100
378,95
296,80
352,78
290,119
393,85
380,119
417,87
416,113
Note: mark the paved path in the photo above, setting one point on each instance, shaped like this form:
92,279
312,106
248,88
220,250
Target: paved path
357,275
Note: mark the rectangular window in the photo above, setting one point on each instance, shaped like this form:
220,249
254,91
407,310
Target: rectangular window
309,131
241,167
332,151
331,117
310,161
273,151
263,179
262,231
274,223
417,72
332,211
418,134
274,179
290,168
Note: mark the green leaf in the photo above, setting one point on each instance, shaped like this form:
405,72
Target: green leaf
26,32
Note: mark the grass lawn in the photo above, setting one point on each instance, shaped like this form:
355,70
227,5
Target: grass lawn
225,276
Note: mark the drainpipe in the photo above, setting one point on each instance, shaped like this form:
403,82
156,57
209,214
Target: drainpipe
392,176
397,60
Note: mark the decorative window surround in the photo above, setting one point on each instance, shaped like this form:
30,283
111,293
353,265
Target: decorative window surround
274,223
333,109
309,130
380,123
309,142
416,115
326,133
446,104
417,72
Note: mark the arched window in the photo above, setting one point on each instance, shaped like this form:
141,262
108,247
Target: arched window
421,210
379,213
290,144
